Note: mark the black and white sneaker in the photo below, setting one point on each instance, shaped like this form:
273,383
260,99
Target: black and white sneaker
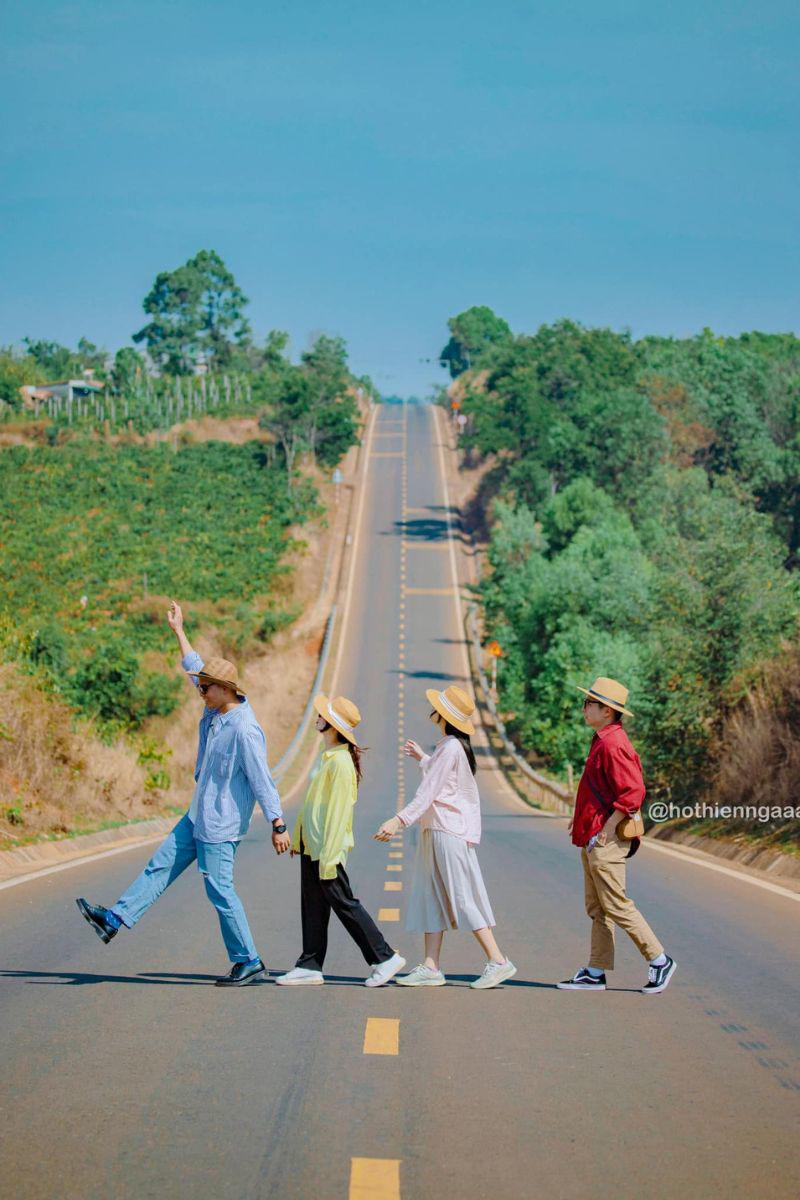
583,981
659,977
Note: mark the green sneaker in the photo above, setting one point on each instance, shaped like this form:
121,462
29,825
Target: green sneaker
422,976
494,973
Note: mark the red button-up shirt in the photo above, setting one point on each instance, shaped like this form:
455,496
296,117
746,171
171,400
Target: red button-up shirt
612,778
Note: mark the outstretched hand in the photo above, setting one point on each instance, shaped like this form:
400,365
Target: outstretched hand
388,829
413,750
175,616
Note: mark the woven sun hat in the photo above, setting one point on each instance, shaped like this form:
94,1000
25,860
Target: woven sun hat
341,713
219,670
455,706
610,692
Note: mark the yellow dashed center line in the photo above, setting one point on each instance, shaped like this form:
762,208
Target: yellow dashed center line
387,915
394,867
382,1036
392,886
417,591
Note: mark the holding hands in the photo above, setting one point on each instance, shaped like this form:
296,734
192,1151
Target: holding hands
388,829
281,842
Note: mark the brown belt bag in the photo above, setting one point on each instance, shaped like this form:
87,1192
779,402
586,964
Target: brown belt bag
630,828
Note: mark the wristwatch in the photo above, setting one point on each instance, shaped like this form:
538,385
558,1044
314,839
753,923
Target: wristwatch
279,828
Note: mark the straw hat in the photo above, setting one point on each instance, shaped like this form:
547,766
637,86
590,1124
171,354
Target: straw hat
341,713
455,706
609,692
219,670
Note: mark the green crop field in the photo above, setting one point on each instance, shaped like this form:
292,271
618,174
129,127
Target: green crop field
94,537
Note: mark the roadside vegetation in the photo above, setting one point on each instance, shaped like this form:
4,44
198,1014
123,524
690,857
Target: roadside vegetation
109,506
643,506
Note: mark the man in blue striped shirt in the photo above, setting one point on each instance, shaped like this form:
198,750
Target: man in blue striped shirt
231,774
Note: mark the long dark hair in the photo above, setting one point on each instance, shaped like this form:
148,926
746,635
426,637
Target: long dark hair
464,738
355,751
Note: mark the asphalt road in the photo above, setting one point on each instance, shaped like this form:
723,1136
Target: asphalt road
126,1075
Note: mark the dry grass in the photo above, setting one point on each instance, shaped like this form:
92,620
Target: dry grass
758,757
56,777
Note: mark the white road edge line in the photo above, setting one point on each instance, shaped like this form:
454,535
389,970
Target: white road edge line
79,862
740,875
509,791
355,549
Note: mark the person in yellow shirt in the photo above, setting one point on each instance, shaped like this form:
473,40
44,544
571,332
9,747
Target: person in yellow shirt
323,835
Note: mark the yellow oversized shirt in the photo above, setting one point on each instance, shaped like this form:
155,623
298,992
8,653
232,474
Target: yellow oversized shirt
325,822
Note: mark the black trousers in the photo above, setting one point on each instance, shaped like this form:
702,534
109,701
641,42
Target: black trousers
317,898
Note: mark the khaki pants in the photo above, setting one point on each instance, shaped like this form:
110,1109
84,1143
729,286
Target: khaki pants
608,905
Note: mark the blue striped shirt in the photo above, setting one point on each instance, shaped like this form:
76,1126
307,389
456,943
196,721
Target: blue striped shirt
231,771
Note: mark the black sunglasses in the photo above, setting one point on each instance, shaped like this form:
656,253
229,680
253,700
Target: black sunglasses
203,688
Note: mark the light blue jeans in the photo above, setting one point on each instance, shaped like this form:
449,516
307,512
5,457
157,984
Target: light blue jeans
215,863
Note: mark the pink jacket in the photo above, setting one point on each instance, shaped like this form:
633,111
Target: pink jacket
447,799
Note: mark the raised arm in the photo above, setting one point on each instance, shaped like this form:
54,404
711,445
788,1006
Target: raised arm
175,620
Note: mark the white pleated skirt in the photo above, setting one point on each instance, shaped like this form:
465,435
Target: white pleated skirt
447,889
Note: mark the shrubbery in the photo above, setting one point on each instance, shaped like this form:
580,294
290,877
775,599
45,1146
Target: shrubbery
647,520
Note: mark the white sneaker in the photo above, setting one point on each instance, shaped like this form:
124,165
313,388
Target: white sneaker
494,973
383,972
422,976
301,975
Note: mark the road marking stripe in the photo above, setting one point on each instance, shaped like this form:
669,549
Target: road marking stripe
382,1035
391,886
427,545
412,591
740,875
395,854
394,867
79,862
388,914
374,1179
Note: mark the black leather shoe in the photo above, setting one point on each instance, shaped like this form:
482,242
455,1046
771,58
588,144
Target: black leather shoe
243,973
98,919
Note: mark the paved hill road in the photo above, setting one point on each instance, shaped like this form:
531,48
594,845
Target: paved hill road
126,1075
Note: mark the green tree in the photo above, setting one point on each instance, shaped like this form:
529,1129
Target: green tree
196,309
128,370
472,333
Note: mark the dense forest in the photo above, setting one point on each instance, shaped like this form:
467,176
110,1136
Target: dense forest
644,506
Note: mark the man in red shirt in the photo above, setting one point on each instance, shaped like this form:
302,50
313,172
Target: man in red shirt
611,788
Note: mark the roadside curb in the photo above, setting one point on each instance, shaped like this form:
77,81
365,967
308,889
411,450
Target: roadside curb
25,862
765,864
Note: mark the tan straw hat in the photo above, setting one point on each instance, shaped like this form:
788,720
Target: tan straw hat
455,706
341,713
609,692
219,670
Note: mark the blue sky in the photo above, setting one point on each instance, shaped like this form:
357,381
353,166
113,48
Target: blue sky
370,170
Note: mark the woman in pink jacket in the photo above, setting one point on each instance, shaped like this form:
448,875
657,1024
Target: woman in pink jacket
447,888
